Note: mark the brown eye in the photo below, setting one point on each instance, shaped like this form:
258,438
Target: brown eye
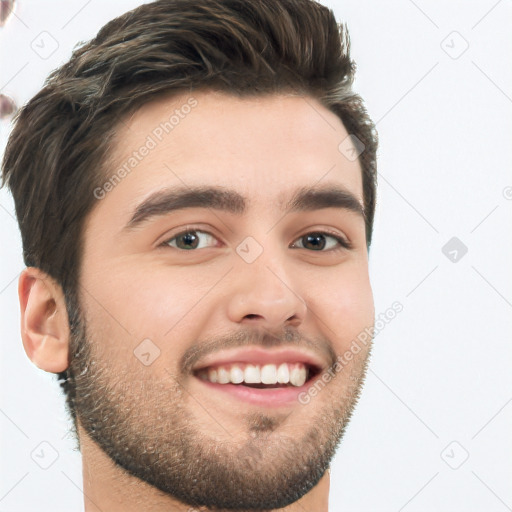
316,241
189,240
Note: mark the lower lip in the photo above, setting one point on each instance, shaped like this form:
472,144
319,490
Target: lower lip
270,397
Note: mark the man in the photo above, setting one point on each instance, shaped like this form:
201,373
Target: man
195,190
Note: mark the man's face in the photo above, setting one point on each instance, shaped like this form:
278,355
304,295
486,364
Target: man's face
244,282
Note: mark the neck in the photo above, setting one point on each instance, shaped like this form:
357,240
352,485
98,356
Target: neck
108,487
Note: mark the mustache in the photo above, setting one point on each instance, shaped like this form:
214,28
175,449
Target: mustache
260,337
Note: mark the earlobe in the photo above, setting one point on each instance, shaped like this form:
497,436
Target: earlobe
44,320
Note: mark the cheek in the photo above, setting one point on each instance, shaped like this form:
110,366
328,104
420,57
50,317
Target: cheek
169,302
128,306
345,306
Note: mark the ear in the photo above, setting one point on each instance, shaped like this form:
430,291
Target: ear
44,320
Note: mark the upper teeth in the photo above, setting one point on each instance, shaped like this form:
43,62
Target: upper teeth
284,373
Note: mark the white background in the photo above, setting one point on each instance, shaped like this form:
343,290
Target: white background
440,385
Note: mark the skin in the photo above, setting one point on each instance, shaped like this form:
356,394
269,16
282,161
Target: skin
133,288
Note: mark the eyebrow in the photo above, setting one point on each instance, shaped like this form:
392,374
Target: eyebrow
165,201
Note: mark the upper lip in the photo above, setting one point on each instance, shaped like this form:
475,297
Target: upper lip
260,356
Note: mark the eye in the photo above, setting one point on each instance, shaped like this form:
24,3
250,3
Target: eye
316,241
187,240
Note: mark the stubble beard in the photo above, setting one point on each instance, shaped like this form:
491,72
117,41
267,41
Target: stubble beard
146,425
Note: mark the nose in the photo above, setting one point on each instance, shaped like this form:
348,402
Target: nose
265,297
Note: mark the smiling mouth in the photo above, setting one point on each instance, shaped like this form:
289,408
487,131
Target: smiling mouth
265,376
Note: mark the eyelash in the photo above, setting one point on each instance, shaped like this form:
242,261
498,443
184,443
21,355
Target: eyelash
343,243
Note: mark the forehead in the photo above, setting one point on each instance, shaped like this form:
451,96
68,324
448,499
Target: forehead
265,147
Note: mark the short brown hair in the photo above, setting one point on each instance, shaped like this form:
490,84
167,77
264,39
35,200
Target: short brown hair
57,152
